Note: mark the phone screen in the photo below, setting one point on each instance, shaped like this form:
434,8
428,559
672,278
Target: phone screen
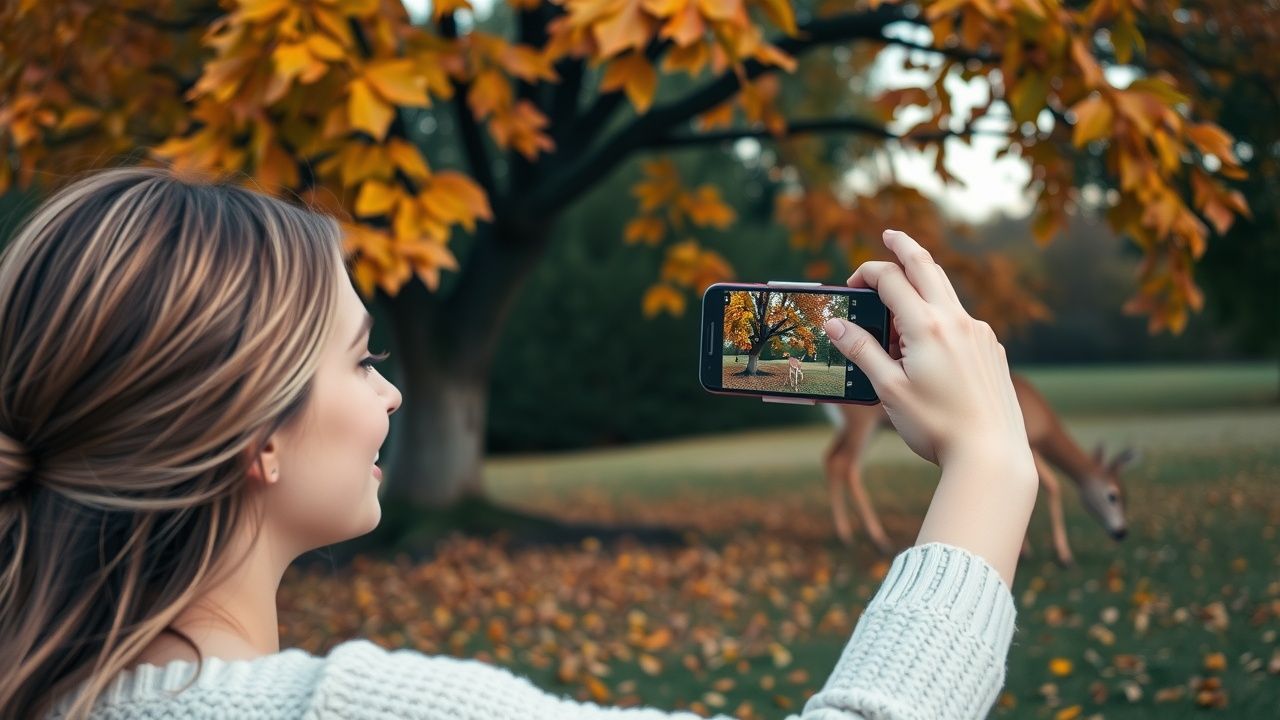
762,340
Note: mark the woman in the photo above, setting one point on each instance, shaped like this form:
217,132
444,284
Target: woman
187,405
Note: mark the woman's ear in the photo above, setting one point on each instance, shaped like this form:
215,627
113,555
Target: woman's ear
264,466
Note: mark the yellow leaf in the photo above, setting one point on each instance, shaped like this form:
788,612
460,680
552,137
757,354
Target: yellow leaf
662,297
78,117
686,27
705,207
719,116
398,82
1068,713
365,273
1060,667
258,10
441,8
1093,121
455,198
690,59
367,111
1213,140
720,9
646,229
1029,96
408,159
781,14
1087,63
599,692
649,664
291,59
323,47
489,92
526,63
521,127
627,28
635,75
376,198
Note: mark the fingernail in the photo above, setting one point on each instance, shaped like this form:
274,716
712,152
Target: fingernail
834,328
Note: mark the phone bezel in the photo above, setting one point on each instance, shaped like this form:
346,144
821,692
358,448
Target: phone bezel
711,332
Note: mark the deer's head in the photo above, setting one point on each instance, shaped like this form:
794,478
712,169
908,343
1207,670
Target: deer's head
1103,492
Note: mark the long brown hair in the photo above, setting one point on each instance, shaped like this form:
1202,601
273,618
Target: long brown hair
155,330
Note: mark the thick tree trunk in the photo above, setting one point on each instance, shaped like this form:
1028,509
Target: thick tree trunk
751,361
446,348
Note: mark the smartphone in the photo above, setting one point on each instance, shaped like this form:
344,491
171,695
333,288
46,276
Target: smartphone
767,340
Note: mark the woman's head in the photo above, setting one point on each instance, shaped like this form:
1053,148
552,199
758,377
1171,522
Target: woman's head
180,361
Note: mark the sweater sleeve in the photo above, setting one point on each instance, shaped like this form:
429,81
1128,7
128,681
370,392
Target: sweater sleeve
931,644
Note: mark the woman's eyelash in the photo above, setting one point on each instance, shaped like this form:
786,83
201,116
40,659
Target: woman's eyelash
368,361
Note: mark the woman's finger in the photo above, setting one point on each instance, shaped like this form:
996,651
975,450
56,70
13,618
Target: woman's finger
860,346
919,267
895,291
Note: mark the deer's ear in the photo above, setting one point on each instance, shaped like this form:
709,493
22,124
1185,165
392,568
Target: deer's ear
1125,458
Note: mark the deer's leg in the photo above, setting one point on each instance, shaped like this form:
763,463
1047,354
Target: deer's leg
1053,494
866,512
837,465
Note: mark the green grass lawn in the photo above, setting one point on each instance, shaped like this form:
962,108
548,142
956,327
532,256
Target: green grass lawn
1178,621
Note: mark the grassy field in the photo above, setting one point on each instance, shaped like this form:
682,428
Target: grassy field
1178,621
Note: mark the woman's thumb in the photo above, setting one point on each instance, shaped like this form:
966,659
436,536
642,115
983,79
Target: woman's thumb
864,350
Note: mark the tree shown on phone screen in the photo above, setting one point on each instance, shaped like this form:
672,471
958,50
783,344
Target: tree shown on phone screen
786,321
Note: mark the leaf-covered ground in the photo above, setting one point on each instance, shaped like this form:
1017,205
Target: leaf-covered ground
1180,620
818,378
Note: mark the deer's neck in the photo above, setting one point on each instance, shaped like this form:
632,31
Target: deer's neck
1057,447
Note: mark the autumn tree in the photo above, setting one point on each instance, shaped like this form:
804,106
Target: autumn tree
754,320
326,101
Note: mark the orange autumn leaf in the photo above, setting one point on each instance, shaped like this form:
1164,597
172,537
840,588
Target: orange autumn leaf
646,229
705,207
635,75
1093,121
453,197
408,159
522,127
1060,667
659,298
489,92
398,82
367,111
622,24
375,198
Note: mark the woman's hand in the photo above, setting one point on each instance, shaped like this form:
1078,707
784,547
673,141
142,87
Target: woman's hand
947,391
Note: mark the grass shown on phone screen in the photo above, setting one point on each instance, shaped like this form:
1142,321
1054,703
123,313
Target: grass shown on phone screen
748,616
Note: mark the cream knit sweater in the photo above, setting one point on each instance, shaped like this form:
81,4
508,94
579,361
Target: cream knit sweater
931,645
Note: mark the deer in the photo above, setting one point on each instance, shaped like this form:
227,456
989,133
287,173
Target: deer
795,373
1096,477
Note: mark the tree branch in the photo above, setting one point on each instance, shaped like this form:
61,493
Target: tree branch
532,31
553,195
800,127
468,128
596,119
957,53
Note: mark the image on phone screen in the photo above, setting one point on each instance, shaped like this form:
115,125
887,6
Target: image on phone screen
772,342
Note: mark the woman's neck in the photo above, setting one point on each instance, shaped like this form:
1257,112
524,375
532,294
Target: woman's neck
235,619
